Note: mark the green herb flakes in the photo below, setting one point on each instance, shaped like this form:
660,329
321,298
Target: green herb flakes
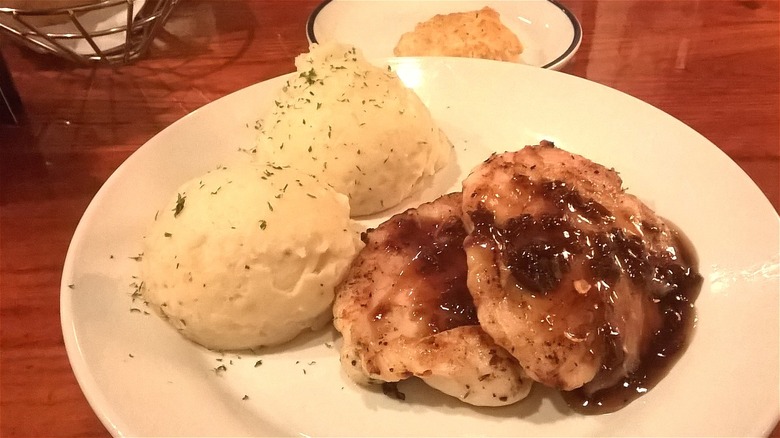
179,204
310,76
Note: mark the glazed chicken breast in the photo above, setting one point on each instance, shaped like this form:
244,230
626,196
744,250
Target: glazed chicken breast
404,310
570,274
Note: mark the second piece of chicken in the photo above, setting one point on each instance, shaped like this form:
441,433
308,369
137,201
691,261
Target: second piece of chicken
404,310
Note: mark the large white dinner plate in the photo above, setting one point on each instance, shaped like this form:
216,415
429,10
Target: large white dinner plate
549,32
142,378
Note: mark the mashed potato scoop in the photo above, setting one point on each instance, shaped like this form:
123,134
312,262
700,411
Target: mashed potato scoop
248,256
355,126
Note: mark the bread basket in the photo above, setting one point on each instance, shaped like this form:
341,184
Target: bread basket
111,32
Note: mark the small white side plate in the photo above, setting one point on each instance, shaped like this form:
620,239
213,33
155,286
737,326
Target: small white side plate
549,32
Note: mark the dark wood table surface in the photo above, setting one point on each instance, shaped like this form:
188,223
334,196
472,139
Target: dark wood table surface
714,64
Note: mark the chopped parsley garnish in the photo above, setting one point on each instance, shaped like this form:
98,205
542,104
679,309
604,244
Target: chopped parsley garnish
310,76
179,204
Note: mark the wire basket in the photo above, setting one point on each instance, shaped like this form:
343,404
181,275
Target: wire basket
112,32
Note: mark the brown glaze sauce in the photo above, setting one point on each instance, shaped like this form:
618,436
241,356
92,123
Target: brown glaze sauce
436,274
666,344
541,250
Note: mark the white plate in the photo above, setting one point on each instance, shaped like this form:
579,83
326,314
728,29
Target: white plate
549,32
725,384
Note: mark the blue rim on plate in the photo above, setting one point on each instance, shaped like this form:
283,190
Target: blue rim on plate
575,42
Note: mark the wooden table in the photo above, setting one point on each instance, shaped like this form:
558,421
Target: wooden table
714,64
